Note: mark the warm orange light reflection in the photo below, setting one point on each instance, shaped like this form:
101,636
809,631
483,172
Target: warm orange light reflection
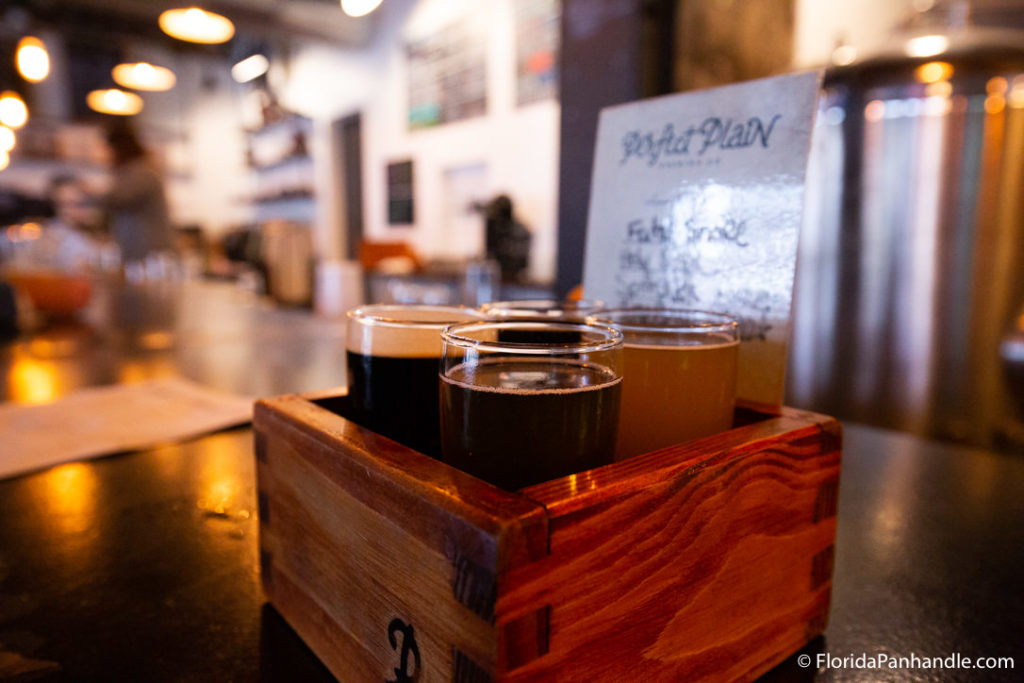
933,72
31,231
940,89
32,381
219,478
53,347
156,341
69,493
153,368
996,86
578,483
994,104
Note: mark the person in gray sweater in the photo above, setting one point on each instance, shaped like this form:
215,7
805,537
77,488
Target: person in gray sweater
139,218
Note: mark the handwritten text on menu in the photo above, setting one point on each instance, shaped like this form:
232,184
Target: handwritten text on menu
696,202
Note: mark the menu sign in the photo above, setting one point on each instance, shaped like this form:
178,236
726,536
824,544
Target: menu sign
696,202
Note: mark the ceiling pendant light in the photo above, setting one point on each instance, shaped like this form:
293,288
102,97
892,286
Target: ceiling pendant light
32,59
114,101
249,68
196,25
144,76
13,112
7,139
359,8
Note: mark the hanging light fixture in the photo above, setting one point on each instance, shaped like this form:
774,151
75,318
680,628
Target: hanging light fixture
359,8
196,25
32,59
249,68
13,112
926,46
7,139
144,76
114,101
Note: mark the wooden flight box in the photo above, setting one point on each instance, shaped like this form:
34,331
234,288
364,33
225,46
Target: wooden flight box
708,560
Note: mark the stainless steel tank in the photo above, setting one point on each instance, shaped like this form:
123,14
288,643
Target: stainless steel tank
911,266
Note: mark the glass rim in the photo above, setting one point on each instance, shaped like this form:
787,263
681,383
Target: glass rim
688,320
454,335
533,305
377,314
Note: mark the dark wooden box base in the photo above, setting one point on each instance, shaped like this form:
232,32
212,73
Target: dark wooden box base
709,560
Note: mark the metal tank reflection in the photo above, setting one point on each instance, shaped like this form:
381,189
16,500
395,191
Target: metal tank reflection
911,265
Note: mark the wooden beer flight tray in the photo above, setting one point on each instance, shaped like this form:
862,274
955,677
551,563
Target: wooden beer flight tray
708,560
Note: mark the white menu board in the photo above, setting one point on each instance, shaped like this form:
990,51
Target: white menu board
696,202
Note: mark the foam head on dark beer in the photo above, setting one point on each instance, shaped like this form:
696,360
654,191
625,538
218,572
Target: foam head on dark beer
396,331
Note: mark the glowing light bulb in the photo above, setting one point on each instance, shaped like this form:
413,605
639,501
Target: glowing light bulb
7,139
359,8
926,46
144,76
114,101
249,68
13,112
32,59
196,25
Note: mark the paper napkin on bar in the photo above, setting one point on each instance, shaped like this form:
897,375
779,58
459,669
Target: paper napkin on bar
109,419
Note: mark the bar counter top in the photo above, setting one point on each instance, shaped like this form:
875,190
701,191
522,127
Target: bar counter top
143,566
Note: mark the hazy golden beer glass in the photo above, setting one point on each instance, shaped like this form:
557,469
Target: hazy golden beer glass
678,376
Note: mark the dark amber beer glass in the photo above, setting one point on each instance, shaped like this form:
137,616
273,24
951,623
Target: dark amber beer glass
393,354
518,413
548,310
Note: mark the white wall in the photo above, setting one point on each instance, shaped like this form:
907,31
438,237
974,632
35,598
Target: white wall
518,145
208,182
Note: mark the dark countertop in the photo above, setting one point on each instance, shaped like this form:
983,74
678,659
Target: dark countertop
143,566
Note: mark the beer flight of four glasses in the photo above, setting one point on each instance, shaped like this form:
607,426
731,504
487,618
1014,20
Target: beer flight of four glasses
530,391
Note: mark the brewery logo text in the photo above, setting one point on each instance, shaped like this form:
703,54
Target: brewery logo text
714,133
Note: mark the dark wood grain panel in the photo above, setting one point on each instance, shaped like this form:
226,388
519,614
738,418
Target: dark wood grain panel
697,563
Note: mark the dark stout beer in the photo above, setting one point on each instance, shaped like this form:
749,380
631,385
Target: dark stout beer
397,397
394,357
520,421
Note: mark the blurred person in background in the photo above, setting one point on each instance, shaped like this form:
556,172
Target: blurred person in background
139,218
69,236
507,240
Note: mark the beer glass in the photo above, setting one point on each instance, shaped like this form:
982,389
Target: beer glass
678,376
393,354
541,309
517,413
